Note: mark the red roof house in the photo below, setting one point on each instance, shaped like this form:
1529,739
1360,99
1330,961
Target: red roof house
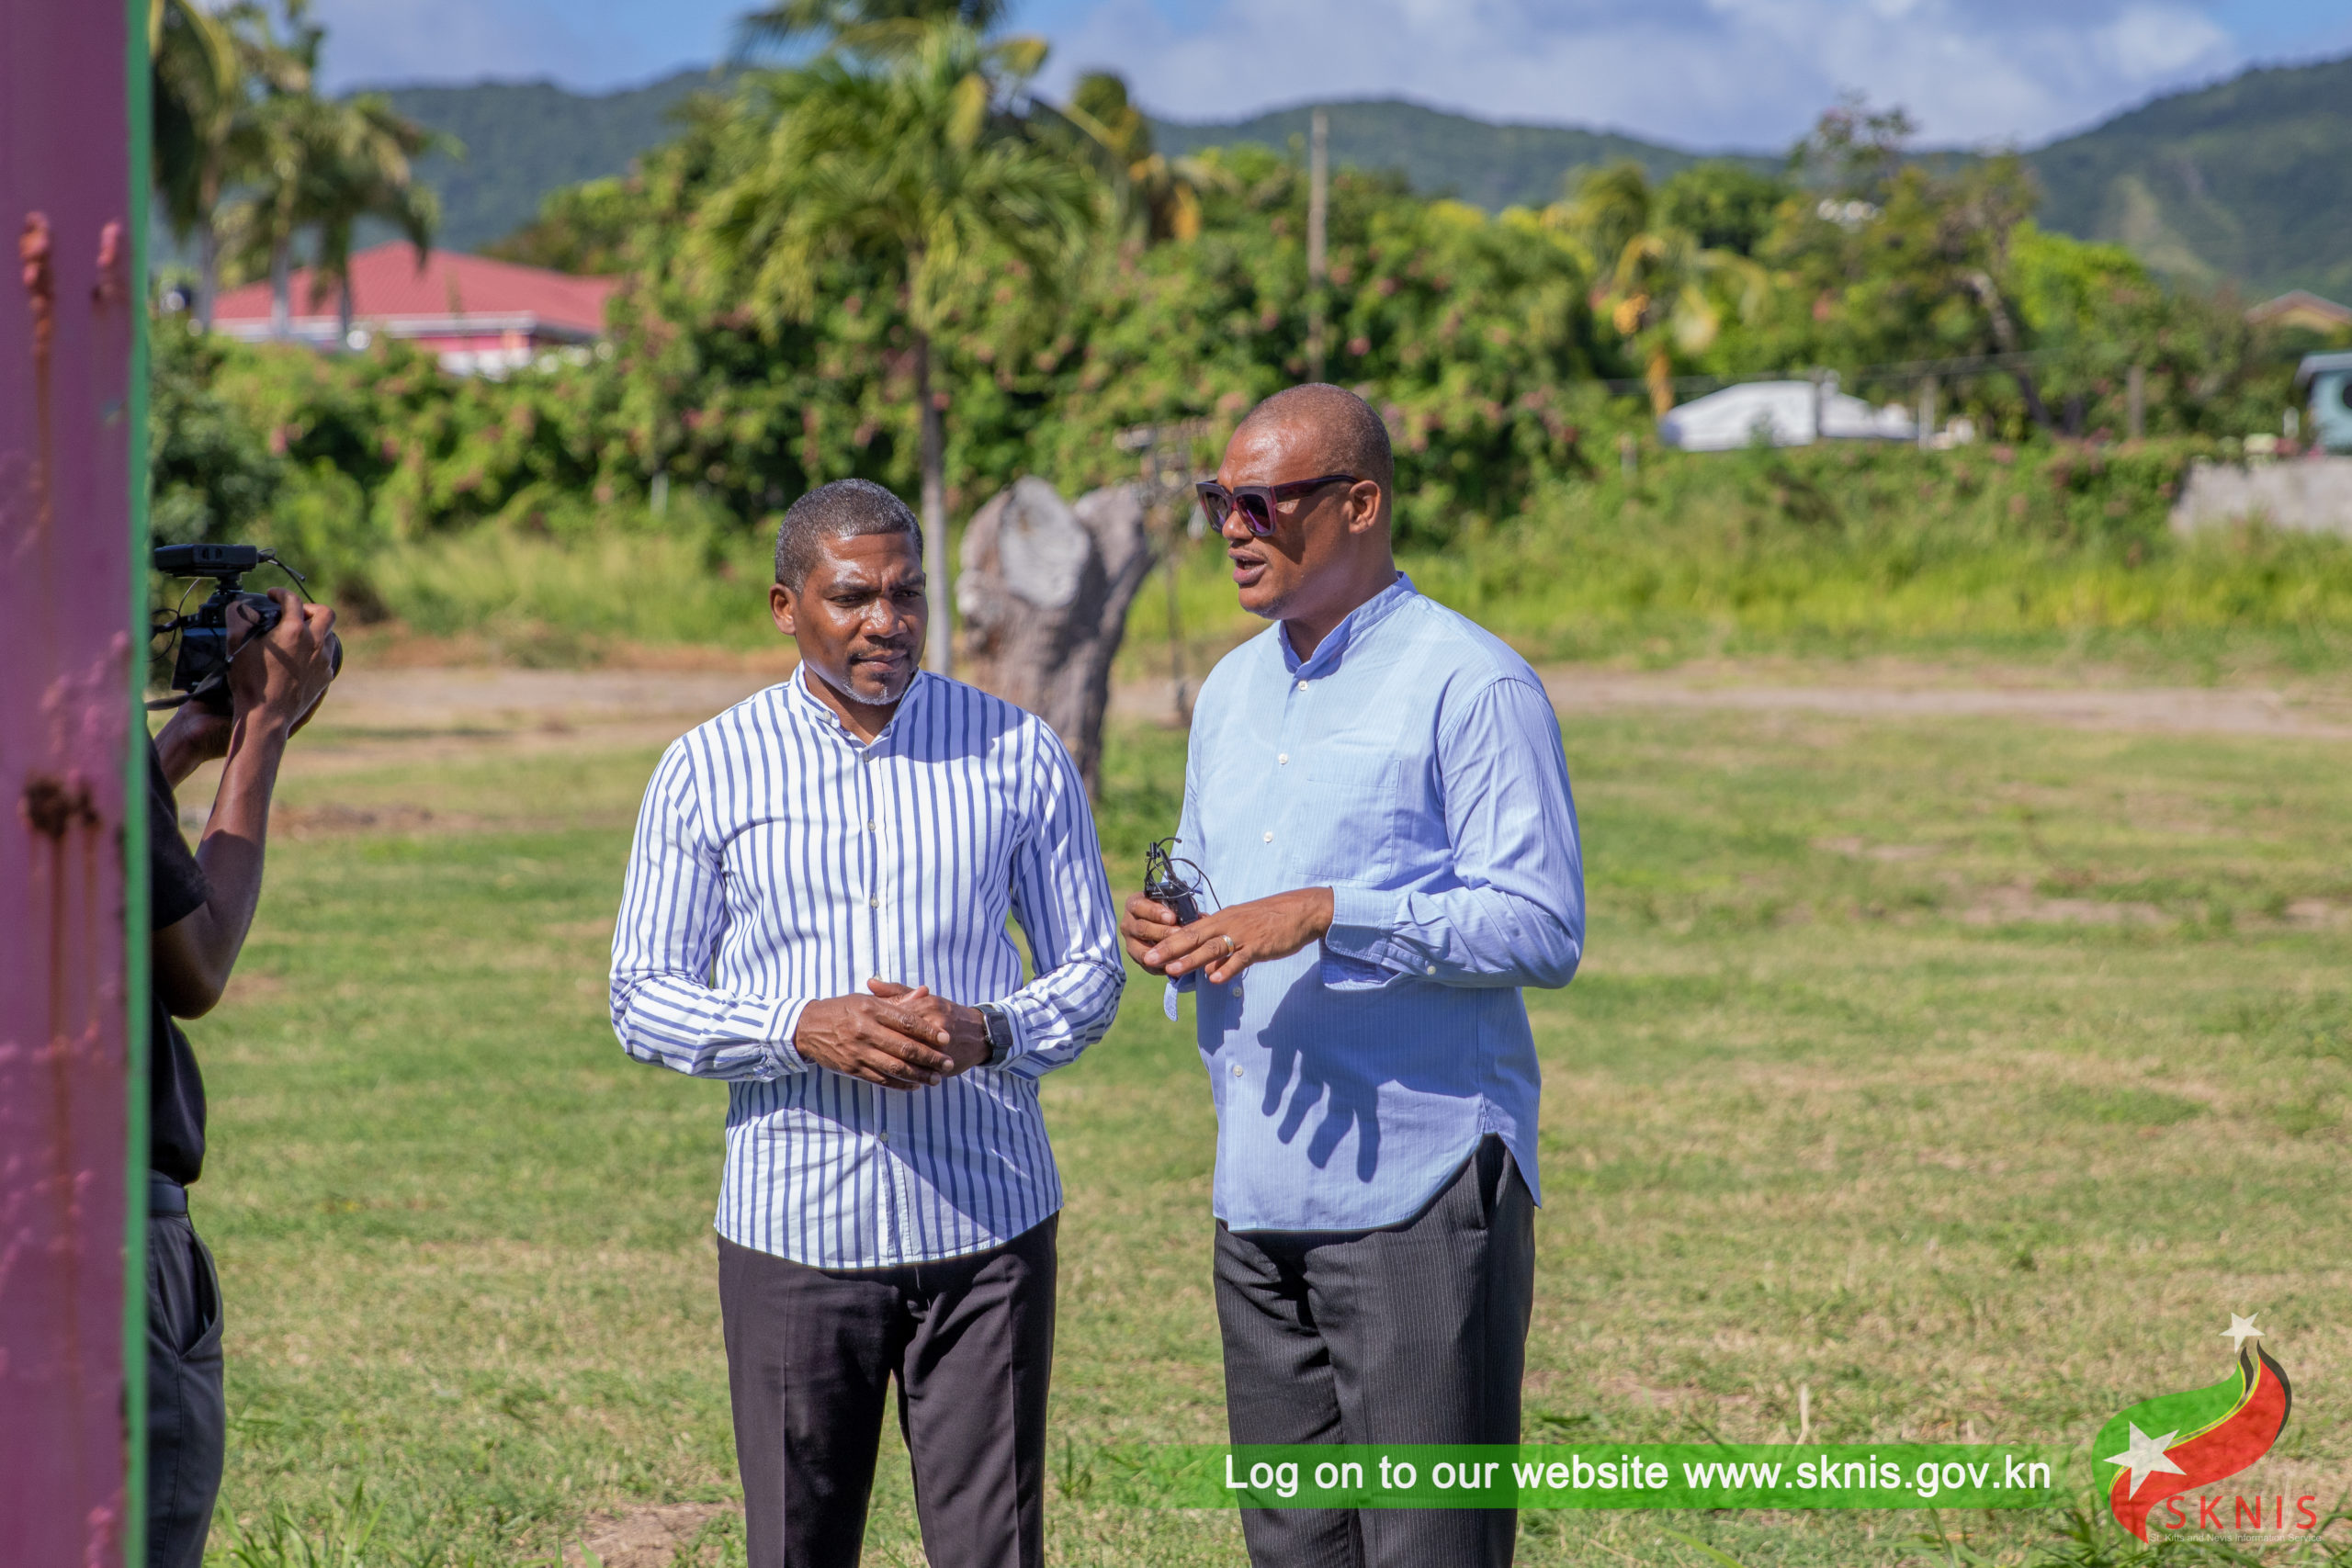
482,317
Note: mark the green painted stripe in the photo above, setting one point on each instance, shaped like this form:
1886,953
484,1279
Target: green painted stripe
137,86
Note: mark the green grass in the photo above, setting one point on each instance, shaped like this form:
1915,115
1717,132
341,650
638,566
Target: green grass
1849,1101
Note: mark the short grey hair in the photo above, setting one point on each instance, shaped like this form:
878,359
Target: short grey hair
842,509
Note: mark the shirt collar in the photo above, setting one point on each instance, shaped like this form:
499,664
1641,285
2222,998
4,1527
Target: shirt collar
797,694
1358,621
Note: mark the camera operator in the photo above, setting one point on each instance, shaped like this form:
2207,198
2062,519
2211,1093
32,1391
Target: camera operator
203,905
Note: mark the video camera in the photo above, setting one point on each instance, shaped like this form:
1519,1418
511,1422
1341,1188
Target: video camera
208,642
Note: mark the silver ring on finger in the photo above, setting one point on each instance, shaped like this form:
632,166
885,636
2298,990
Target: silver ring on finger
1229,946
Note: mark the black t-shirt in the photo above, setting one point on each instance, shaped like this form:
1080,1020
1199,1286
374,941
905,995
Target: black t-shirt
176,1117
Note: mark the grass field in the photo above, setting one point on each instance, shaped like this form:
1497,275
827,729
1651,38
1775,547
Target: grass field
1964,1076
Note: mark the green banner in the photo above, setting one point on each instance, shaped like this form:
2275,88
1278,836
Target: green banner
1582,1475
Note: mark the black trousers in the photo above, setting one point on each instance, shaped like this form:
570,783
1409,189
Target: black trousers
1414,1334
810,1353
188,1419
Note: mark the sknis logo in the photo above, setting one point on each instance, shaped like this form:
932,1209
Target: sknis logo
2199,1436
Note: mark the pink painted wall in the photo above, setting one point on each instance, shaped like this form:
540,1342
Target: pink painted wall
66,346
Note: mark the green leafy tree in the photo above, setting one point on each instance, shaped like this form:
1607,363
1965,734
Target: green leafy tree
908,164
582,229
1722,205
212,474
1664,290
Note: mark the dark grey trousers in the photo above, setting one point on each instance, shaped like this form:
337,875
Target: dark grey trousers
810,1353
1415,1334
187,1420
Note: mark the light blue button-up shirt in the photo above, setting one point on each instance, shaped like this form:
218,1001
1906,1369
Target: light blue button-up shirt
1413,766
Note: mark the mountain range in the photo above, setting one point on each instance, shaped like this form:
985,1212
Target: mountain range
2246,181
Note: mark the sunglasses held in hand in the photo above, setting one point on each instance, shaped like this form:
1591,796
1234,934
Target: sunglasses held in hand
1257,502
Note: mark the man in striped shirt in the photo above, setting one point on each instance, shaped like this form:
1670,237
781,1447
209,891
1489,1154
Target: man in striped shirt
815,912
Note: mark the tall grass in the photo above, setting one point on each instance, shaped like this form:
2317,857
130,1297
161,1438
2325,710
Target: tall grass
1861,550
2041,553
697,581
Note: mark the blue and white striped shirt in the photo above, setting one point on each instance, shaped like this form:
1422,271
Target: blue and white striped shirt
778,861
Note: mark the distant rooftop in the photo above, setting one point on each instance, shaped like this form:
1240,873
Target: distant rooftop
480,314
2301,308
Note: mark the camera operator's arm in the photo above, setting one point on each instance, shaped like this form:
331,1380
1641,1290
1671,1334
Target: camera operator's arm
274,683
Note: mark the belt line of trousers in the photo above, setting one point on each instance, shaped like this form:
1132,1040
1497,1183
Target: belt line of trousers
1415,1333
810,1356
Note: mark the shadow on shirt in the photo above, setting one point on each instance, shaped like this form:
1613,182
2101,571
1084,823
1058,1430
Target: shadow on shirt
1331,1048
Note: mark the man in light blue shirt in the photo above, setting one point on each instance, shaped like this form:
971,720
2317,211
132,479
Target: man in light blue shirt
1376,795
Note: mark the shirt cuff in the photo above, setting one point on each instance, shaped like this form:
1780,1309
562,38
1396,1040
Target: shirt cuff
785,1056
1363,928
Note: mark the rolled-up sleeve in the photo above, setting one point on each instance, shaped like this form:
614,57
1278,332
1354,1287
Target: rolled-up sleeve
1061,899
1515,914
672,915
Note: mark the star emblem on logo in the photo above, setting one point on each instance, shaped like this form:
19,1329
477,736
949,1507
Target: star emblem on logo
2240,1329
2144,1458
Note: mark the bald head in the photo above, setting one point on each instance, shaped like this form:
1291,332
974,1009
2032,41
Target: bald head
1340,428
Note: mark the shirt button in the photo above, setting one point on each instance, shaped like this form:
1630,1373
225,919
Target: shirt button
1283,758
873,903
881,1137
869,824
1432,968
1269,838
1237,1069
1302,685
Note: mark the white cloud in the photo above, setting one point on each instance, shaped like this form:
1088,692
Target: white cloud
1697,72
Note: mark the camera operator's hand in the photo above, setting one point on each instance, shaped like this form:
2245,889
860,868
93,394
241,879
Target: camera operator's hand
967,1031
870,1038
281,676
194,736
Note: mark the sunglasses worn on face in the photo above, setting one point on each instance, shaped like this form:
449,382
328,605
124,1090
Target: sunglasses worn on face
1257,502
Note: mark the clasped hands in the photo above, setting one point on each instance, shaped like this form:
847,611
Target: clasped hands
901,1037
1222,945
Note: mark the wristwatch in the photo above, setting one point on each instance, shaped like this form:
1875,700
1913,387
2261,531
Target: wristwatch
1000,1028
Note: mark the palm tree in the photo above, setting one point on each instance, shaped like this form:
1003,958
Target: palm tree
1662,288
869,26
363,170
259,227
906,163
1163,194
210,71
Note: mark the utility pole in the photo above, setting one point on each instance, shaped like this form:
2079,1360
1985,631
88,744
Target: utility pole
2135,400
1927,412
1318,212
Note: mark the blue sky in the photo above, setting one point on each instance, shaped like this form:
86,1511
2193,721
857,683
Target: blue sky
1694,72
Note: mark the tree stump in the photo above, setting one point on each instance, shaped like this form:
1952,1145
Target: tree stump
1043,590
